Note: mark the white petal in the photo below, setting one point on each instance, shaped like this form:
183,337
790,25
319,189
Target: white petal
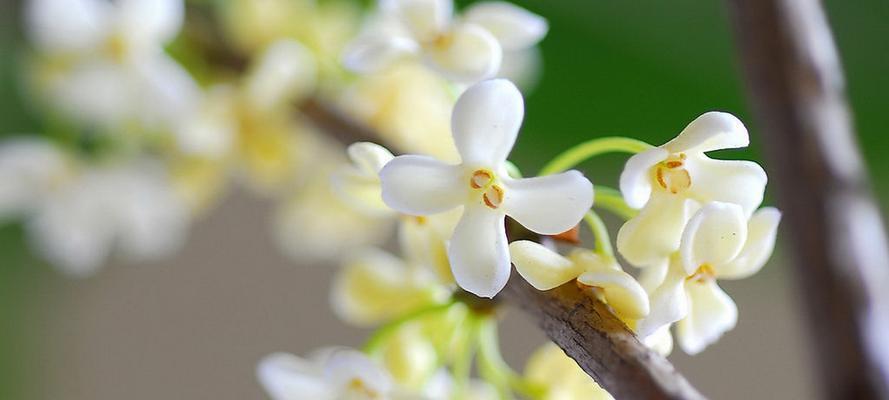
635,179
345,366
67,25
713,236
652,276
541,267
486,122
761,233
425,18
711,131
655,233
97,92
711,313
28,166
167,94
151,22
369,157
374,53
211,130
478,252
730,181
661,341
669,303
287,377
419,185
514,27
625,296
549,204
467,53
285,72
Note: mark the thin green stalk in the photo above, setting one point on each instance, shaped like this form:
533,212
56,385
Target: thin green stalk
378,338
611,200
589,149
603,239
496,370
462,364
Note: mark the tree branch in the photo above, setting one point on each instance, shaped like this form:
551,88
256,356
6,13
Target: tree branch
796,88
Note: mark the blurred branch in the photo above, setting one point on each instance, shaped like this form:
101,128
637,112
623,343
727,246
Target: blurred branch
796,88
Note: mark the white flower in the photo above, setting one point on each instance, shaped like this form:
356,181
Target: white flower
359,182
77,214
335,374
545,269
485,124
115,69
670,182
466,50
719,243
563,379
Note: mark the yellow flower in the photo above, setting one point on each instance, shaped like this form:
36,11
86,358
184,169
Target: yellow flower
561,376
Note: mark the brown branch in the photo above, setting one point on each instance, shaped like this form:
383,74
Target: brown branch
796,88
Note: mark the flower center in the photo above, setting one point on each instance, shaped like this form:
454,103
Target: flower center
671,175
116,47
704,274
485,181
357,386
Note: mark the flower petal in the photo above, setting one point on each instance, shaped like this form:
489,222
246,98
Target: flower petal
711,131
635,179
541,267
151,22
67,25
424,18
549,204
419,185
651,236
486,121
467,53
375,53
369,157
761,233
285,72
514,27
359,183
167,94
661,341
711,314
288,377
622,293
669,303
374,286
479,253
28,166
730,181
713,236
346,365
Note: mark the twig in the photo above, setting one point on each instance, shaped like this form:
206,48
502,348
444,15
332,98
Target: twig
796,88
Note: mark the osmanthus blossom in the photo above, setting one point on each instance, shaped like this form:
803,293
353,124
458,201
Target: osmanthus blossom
77,214
485,123
561,377
103,63
359,181
546,269
465,49
720,242
669,183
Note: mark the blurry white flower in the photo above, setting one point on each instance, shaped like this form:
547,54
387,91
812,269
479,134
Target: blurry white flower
545,269
562,378
670,182
442,387
77,214
485,124
337,374
359,182
114,70
466,50
719,243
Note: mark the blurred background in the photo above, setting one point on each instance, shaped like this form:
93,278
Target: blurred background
193,326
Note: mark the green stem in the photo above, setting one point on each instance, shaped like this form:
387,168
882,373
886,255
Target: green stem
496,370
586,150
603,239
378,338
611,200
462,364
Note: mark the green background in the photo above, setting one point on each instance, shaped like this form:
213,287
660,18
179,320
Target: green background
633,68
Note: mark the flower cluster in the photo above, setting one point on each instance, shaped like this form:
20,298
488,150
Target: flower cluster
149,124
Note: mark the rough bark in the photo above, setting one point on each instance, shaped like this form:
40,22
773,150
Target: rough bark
796,89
